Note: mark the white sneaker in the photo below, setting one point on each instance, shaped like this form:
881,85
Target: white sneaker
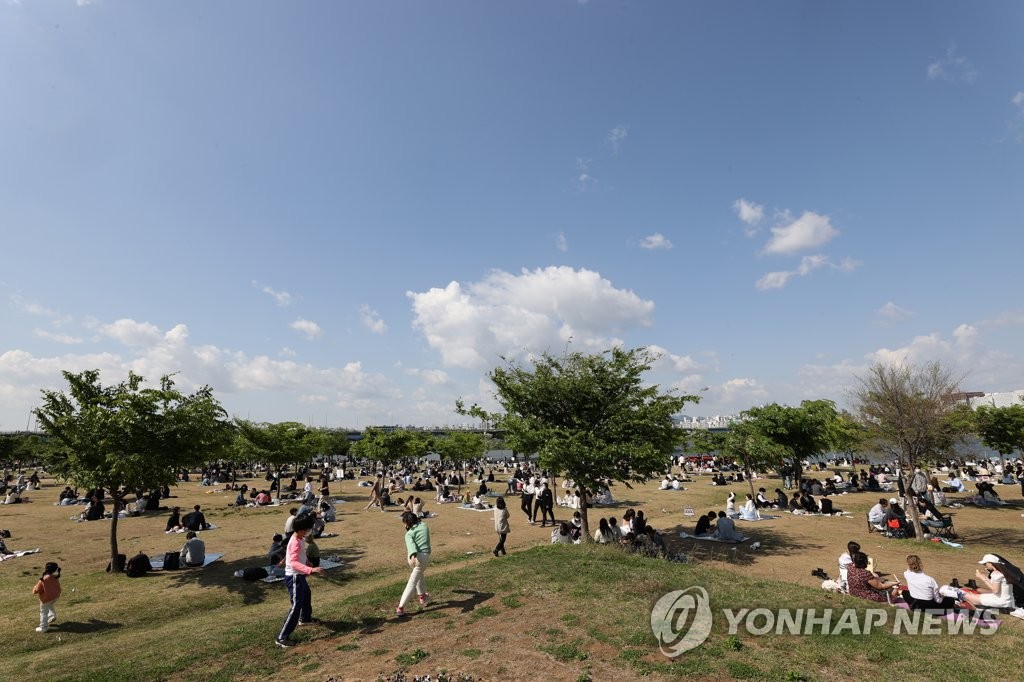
40,629
52,618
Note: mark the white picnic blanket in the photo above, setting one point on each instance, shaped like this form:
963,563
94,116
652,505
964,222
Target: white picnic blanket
158,564
15,555
489,509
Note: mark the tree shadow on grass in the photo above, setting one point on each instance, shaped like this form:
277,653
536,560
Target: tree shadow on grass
93,625
222,574
998,537
774,542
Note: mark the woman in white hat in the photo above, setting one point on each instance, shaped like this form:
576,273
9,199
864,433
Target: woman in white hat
997,592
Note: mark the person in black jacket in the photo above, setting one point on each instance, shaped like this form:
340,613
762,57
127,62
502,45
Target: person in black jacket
174,522
195,520
546,503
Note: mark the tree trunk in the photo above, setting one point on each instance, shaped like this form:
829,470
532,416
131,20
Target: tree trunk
584,522
750,479
113,532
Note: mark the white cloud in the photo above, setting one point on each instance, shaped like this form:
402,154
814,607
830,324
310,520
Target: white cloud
83,3
750,213
561,242
59,338
1018,99
655,241
371,320
808,264
891,311
742,389
809,231
286,352
584,181
616,136
31,307
952,68
508,315
432,377
667,361
131,333
283,298
311,330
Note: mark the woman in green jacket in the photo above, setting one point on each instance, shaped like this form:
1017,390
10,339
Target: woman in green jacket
417,551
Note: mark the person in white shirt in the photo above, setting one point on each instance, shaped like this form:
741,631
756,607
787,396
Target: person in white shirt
846,560
922,591
997,592
665,484
676,485
876,515
730,505
748,512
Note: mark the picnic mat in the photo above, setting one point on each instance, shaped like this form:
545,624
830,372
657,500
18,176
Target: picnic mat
15,555
762,517
489,509
958,616
185,530
708,538
158,563
326,564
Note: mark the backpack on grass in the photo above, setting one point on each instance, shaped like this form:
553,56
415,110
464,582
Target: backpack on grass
118,564
138,566
172,561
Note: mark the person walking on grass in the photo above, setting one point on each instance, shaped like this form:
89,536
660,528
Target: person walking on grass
417,552
296,568
48,591
501,526
375,494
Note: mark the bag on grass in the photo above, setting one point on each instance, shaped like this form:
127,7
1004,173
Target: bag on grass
118,564
137,566
254,573
5,533
172,561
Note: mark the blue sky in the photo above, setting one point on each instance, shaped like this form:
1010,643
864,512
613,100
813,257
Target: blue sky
345,213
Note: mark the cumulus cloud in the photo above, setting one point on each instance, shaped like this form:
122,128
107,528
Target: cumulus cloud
131,333
750,213
891,311
311,330
616,136
952,68
371,320
1018,99
584,181
809,231
668,361
561,242
808,264
513,315
432,377
286,352
59,338
655,241
742,389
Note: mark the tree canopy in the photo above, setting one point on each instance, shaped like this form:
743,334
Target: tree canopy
1001,428
588,416
125,437
279,444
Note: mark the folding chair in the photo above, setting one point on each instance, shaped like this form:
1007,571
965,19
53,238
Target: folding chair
947,530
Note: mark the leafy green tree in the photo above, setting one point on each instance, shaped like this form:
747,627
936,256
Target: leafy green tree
390,446
802,433
126,437
909,412
461,445
277,445
16,449
588,416
1001,428
746,443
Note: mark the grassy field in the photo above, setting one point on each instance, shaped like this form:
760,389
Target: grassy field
557,612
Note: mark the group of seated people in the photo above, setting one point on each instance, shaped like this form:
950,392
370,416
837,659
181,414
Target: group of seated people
672,483
414,505
720,479
1001,584
195,520
804,503
888,516
634,533
717,525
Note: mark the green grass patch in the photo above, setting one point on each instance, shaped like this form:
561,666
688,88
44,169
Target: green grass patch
511,601
472,653
411,658
564,652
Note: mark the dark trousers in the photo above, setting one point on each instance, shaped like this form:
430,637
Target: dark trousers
501,543
302,604
527,506
928,605
545,512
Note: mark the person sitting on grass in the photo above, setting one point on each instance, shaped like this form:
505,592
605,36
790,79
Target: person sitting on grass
922,592
876,515
193,552
726,529
997,592
795,505
95,511
613,524
864,584
748,512
781,499
195,520
895,513
705,525
561,535
604,535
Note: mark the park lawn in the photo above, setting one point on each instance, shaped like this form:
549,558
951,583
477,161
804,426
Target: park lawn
570,611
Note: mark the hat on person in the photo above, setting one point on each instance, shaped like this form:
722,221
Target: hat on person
893,500
303,523
989,559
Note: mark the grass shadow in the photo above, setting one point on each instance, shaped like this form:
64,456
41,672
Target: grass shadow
93,625
774,542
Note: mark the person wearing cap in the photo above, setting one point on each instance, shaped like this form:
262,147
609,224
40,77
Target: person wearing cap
296,568
417,551
997,592
896,513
